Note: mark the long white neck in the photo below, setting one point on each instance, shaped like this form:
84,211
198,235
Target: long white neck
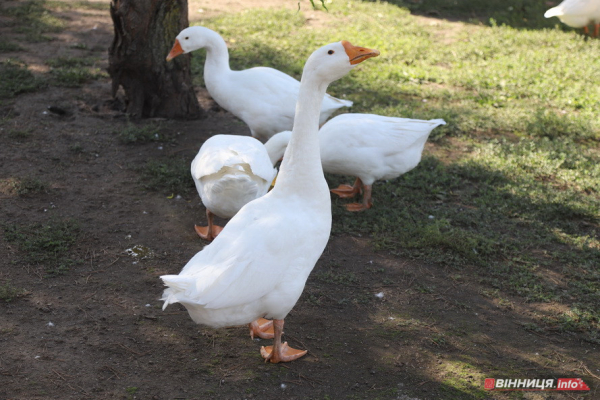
301,172
217,56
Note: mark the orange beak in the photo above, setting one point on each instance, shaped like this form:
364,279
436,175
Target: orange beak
175,51
358,54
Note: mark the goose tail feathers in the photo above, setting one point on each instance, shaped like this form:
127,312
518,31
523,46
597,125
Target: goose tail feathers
176,285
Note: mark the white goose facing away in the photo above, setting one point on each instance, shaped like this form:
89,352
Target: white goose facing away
578,14
368,146
264,98
258,265
230,171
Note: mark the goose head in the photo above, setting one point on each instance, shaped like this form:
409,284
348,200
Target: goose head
333,61
190,39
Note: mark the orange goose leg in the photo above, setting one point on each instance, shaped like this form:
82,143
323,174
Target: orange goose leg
280,352
208,232
366,203
263,328
347,191
596,29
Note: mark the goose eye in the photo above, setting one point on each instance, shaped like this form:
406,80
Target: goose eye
187,37
330,52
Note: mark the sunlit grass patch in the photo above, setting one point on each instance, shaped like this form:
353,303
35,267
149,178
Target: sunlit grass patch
33,19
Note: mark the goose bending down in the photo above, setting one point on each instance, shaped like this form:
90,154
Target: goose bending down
230,171
258,265
578,14
368,146
264,98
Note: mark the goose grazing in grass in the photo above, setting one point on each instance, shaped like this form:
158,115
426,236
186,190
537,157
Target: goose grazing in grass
230,171
264,98
368,146
578,14
258,265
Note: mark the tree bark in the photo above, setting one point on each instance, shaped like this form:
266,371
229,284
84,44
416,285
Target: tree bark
145,31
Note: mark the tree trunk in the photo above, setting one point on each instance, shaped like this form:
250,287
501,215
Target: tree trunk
145,31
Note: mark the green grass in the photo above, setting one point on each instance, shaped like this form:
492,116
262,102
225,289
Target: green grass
9,47
29,186
513,186
74,72
171,176
34,20
45,244
8,292
16,79
138,134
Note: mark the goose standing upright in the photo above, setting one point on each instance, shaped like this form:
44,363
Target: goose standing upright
392,147
230,171
264,98
577,14
258,265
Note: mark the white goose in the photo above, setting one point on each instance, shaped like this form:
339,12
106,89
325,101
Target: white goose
578,14
258,265
368,146
264,98
230,171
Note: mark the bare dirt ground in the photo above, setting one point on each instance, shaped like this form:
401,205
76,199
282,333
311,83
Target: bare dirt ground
98,332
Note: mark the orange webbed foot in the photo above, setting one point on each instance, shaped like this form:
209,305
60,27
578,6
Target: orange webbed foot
205,233
263,328
355,207
285,353
345,191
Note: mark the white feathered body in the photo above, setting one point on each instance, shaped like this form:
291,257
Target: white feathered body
264,98
257,266
373,147
367,146
576,13
230,171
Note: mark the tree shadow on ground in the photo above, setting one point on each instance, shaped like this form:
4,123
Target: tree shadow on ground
521,14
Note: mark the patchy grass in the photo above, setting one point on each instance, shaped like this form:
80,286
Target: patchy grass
9,47
28,186
512,187
74,72
139,134
19,134
47,244
15,79
77,5
8,292
170,177
34,20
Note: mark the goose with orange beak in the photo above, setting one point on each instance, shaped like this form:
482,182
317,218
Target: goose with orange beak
264,98
258,265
